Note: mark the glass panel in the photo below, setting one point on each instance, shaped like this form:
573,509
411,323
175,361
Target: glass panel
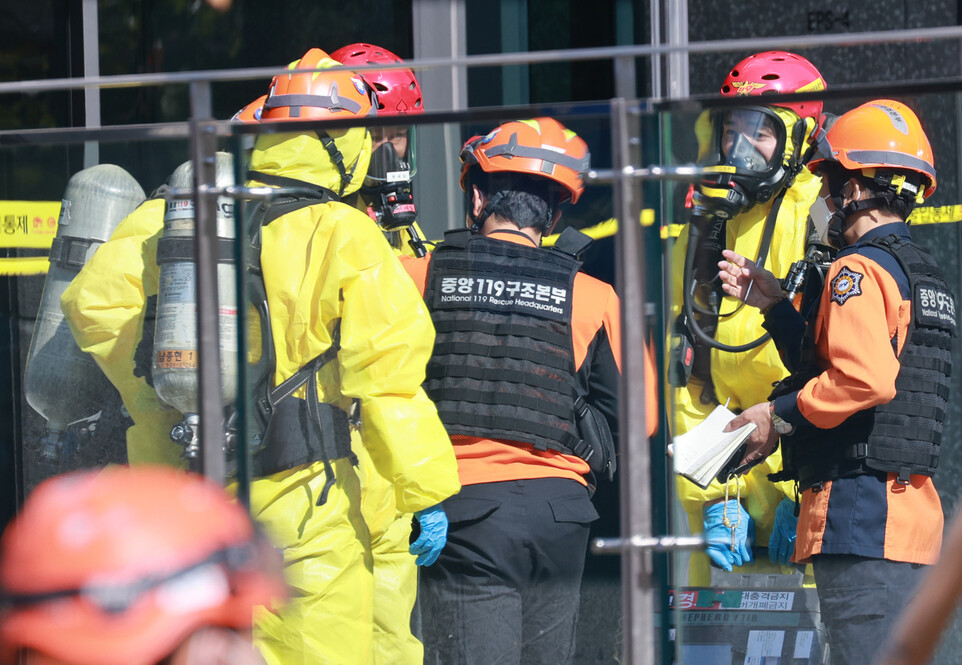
329,273
132,393
369,366
72,415
769,609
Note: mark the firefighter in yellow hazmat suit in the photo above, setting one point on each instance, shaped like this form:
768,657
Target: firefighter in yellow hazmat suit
387,193
764,196
388,200
331,279
107,308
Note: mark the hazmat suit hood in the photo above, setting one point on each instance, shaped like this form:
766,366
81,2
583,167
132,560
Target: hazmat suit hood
302,156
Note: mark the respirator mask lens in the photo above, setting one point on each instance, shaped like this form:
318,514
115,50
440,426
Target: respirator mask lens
749,139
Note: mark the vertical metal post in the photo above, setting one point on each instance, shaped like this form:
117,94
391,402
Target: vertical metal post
244,399
677,29
91,50
203,146
654,13
440,32
636,563
624,23
515,87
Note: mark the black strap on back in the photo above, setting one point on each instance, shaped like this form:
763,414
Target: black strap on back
337,158
307,189
308,194
323,418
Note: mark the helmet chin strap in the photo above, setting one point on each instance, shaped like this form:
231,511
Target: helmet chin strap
477,221
337,158
839,223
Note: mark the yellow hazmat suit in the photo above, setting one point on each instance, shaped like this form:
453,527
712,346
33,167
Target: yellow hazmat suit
325,263
743,378
395,573
105,306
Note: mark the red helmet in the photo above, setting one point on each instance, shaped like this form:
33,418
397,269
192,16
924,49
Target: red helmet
776,72
541,147
117,567
317,95
397,90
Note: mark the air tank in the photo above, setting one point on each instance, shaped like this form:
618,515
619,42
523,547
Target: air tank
62,383
174,367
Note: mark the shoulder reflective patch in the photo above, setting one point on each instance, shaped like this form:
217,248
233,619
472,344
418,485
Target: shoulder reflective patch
846,285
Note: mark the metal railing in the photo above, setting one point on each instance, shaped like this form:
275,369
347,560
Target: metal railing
625,175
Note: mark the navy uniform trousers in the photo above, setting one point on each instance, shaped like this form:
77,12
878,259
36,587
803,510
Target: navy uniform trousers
506,588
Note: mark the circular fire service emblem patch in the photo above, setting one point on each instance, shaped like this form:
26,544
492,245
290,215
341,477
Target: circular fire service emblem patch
846,285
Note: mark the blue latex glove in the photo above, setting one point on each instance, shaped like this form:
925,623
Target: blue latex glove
434,534
781,545
724,551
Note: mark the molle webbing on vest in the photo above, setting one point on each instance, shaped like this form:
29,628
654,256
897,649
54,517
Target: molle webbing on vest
503,363
904,435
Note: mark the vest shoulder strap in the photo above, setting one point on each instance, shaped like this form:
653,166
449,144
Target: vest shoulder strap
573,242
457,238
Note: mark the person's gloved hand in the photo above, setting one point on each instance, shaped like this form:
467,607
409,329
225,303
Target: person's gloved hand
729,544
781,545
434,534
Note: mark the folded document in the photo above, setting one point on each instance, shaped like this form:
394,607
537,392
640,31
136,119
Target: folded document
707,451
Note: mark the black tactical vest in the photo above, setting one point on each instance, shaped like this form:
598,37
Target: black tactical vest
902,436
503,363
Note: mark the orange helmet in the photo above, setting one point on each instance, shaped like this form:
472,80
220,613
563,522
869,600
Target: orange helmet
880,136
319,94
251,113
541,147
322,94
117,567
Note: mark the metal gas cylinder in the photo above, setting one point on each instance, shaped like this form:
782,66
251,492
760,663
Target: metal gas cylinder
61,382
174,369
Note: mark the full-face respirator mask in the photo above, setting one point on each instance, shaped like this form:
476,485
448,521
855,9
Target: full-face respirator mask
387,187
744,159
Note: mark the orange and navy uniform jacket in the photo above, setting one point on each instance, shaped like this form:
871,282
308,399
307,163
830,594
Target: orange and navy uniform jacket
595,331
861,326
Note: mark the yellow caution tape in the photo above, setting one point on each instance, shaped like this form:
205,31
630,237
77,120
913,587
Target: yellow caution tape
936,215
920,216
28,224
604,229
33,225
671,231
23,266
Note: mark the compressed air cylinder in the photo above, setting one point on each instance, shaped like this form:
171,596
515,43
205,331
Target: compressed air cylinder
62,383
174,369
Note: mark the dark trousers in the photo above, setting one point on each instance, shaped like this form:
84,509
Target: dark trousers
860,601
505,590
